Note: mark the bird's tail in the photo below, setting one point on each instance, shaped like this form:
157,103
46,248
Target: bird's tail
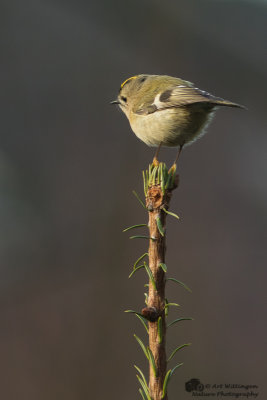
227,103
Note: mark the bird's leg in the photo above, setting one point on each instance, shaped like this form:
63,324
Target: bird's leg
173,167
155,161
178,154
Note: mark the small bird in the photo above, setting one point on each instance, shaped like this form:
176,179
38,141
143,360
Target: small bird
167,111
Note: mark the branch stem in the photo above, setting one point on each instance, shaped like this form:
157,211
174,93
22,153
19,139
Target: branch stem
156,200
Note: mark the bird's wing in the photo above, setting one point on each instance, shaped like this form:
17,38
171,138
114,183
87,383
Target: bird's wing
179,96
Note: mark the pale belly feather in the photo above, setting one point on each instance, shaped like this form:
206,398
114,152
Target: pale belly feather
165,126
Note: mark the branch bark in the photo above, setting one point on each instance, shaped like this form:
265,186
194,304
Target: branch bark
155,202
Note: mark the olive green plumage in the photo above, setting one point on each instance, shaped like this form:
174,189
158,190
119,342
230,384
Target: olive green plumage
165,110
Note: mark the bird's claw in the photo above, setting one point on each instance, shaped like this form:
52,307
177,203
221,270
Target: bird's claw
155,162
172,170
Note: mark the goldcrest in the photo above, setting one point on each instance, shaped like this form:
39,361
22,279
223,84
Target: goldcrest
168,111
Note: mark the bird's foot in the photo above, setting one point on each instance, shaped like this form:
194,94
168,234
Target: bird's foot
155,162
172,170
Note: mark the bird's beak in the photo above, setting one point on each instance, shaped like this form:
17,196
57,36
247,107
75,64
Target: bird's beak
115,102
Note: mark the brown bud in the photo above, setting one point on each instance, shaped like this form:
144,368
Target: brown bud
150,313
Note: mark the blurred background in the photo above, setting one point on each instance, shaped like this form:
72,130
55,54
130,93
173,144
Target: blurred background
68,165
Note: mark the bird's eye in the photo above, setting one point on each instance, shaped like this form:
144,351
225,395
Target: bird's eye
143,79
124,99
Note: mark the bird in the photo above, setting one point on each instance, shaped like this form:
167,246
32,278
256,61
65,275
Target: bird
166,111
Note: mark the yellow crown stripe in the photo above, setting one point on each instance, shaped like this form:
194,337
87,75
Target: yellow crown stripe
127,80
